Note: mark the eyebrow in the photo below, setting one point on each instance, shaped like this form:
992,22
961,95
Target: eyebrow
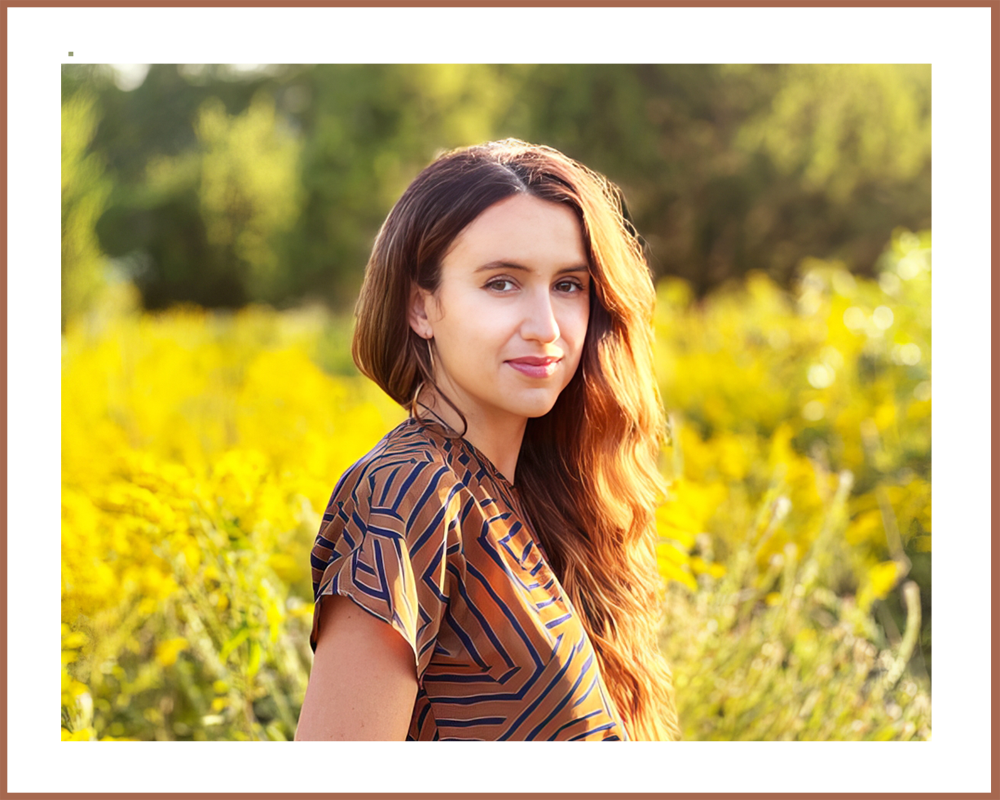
501,264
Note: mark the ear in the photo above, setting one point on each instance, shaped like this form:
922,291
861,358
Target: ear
419,299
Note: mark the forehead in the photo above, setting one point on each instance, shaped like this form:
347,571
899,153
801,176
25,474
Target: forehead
521,229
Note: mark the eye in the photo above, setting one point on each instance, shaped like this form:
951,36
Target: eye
501,285
570,286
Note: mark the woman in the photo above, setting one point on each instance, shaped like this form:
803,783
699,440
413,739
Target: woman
505,531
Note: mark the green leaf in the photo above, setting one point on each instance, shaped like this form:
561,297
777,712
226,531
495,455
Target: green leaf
254,658
237,639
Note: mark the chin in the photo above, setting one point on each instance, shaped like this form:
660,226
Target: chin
537,409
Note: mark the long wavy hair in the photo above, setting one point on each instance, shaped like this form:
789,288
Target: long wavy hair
587,469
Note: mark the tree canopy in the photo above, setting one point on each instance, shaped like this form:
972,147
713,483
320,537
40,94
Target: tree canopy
219,187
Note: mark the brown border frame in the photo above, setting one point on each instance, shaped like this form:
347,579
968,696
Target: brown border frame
959,26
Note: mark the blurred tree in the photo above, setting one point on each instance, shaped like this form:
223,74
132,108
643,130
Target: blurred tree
153,226
368,130
249,190
725,168
85,191
733,168
363,131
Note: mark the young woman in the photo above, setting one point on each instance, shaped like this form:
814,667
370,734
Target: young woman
487,571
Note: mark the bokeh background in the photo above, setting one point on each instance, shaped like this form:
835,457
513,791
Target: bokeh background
216,221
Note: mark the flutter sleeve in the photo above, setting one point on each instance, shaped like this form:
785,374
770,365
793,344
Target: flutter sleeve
384,542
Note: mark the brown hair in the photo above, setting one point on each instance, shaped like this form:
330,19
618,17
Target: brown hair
587,469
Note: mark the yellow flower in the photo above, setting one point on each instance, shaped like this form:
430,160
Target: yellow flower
881,579
672,567
866,526
286,567
167,652
192,555
701,567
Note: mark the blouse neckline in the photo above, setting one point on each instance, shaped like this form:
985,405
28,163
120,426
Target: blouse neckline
514,496
481,457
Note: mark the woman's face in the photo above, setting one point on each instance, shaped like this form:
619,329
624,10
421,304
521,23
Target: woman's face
510,315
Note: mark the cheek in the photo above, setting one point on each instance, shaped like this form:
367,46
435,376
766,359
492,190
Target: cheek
473,338
577,326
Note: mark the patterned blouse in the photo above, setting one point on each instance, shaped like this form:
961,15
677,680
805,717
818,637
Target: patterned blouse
425,533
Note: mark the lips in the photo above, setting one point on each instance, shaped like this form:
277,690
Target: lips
535,361
535,366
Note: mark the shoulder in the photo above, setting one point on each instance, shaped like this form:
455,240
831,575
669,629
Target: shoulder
410,471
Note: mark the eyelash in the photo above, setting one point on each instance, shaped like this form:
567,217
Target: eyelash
577,285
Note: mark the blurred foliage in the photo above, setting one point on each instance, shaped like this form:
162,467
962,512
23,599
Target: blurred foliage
199,450
727,169
360,133
733,168
801,491
85,190
240,193
794,663
840,377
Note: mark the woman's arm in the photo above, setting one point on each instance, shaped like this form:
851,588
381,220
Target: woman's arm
363,682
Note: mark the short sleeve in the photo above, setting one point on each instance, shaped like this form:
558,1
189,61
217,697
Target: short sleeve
385,544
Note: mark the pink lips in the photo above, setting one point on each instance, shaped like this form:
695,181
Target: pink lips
535,366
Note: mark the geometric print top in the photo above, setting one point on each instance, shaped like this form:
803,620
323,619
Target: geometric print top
425,534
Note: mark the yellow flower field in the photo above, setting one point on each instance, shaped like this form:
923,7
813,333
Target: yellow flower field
199,450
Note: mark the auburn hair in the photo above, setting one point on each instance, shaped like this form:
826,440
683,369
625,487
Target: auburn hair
587,470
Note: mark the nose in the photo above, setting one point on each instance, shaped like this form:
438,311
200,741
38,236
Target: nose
540,323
